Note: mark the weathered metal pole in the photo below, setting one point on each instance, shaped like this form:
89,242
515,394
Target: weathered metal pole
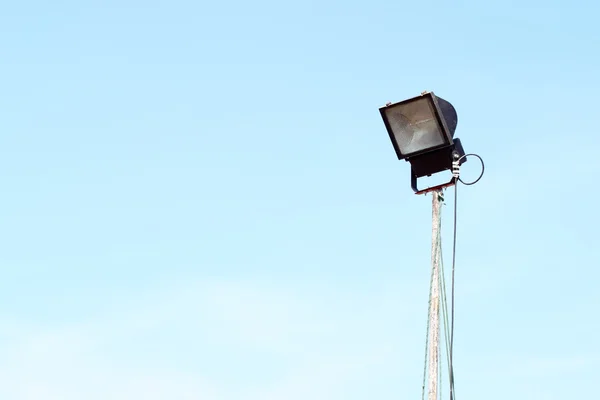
434,301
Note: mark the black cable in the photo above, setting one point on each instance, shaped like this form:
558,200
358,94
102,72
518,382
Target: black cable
480,175
451,362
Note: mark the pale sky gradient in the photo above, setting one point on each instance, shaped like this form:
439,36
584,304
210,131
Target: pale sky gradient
200,200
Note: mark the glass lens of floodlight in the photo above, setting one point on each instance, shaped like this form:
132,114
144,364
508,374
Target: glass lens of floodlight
415,126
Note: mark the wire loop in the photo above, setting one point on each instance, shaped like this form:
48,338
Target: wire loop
480,175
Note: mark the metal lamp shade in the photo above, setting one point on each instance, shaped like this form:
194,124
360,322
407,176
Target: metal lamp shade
419,125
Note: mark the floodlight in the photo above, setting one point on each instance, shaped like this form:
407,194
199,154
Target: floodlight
422,132
420,124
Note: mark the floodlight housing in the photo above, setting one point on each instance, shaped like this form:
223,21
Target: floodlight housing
419,125
422,132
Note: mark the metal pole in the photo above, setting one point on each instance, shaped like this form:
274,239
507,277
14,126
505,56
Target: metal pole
434,301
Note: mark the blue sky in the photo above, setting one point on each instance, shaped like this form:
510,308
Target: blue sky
200,200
